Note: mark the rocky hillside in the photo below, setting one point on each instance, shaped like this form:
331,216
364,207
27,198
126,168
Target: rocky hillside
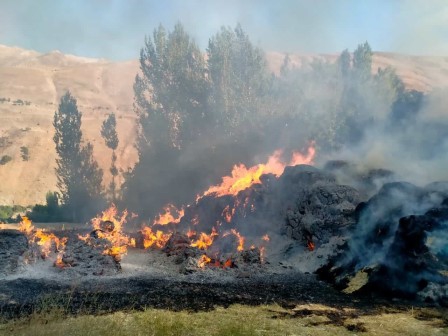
32,83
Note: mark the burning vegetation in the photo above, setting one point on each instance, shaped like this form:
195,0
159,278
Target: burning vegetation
210,207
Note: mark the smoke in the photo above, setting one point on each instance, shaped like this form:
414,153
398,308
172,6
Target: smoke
416,148
96,28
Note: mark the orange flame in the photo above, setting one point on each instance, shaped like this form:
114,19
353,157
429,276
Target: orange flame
203,260
191,233
240,238
243,177
204,240
228,214
151,238
59,263
26,226
47,242
311,245
228,263
265,238
171,215
113,234
195,220
262,253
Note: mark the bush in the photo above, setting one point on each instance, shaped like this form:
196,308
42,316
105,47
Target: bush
25,153
7,212
5,159
51,212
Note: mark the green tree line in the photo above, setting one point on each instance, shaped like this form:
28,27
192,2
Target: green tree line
199,113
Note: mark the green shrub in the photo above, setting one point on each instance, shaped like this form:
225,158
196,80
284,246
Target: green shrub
25,153
51,212
5,159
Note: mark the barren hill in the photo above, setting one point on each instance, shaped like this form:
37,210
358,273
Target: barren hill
32,83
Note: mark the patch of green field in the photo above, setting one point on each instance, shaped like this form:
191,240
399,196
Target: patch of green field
236,320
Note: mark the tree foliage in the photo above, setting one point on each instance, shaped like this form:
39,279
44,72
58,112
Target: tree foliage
78,174
199,116
239,78
109,132
171,92
110,136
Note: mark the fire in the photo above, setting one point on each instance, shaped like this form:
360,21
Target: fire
109,226
228,214
117,251
242,177
203,260
311,245
195,220
154,238
26,226
240,238
205,240
59,263
191,233
170,215
262,253
47,242
228,263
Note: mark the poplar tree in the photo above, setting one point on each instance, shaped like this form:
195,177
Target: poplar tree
109,134
78,174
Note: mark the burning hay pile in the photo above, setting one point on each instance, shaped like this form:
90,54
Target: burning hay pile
275,214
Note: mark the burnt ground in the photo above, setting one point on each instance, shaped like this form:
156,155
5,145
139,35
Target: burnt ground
22,296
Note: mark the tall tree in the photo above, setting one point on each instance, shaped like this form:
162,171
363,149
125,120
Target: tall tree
239,78
171,92
109,134
362,61
343,62
171,102
78,175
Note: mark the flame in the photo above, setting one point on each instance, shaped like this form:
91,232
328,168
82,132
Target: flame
243,177
262,254
203,260
228,214
59,263
191,233
228,263
113,234
240,178
47,242
26,226
310,245
195,220
154,238
240,238
205,240
171,215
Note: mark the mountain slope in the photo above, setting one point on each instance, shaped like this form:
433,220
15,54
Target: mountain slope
32,83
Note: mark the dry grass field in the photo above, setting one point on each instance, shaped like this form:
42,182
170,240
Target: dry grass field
312,319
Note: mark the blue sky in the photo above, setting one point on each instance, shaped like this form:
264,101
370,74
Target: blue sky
115,29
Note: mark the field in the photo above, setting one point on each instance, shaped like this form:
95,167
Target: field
237,320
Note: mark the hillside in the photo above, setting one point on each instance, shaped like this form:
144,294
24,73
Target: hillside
32,83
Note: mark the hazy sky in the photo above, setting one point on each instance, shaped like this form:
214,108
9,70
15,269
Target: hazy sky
115,29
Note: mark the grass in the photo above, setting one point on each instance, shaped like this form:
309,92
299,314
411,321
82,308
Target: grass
236,320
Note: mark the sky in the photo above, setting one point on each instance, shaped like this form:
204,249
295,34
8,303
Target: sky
115,29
